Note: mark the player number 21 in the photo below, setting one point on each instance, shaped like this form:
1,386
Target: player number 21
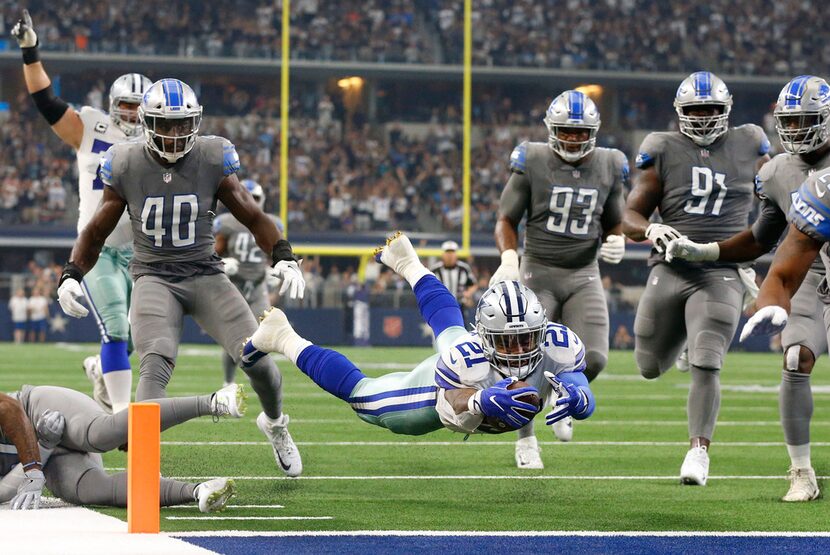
155,221
703,185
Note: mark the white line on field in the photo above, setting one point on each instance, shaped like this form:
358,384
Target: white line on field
232,507
508,533
249,518
617,422
673,478
461,443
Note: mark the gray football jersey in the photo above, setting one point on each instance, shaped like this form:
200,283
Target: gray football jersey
776,183
707,191
567,207
241,245
172,207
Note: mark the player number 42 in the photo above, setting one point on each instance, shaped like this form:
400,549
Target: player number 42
155,221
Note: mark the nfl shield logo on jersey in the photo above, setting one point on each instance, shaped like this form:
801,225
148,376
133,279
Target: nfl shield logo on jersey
167,177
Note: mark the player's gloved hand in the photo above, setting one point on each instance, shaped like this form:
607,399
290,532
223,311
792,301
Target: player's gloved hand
50,426
687,249
231,266
24,32
661,235
767,321
288,274
509,268
571,400
499,402
28,494
613,249
68,294
751,288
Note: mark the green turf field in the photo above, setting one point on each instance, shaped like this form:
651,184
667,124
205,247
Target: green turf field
619,473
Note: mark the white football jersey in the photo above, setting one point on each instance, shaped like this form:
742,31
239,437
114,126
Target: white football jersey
99,134
464,365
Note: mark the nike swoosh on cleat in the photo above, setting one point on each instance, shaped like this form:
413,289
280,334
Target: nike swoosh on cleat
282,464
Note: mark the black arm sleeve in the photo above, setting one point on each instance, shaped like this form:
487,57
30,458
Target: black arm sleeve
52,107
770,224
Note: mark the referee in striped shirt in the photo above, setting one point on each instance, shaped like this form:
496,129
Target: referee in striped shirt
456,275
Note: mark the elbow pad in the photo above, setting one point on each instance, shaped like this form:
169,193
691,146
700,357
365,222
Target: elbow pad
52,107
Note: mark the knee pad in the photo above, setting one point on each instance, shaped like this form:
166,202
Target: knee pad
595,362
709,348
648,365
799,359
791,356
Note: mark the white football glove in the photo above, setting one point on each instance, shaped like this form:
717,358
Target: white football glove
660,235
767,321
28,494
687,249
24,32
509,269
50,426
231,266
68,294
288,274
751,288
613,249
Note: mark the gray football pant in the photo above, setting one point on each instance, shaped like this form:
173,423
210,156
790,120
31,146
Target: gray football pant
258,303
698,307
75,472
806,327
573,297
158,309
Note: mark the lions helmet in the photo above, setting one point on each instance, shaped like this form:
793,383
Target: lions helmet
801,114
511,323
129,88
572,110
256,191
703,89
171,116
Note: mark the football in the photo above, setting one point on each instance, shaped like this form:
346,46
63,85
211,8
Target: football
494,425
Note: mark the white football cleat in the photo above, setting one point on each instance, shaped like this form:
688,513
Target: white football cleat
528,454
397,252
273,332
92,368
682,362
564,429
285,450
214,494
229,401
695,468
803,485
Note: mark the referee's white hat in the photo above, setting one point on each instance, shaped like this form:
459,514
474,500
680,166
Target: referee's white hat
449,246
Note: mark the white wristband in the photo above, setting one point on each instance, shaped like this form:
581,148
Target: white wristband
510,258
474,402
710,251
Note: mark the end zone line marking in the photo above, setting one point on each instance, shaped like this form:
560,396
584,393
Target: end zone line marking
249,518
507,533
484,477
192,507
461,443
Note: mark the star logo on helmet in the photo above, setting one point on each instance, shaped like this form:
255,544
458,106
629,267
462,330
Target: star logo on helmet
167,177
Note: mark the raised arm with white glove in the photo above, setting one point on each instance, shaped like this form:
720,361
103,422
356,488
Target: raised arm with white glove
286,271
69,291
509,268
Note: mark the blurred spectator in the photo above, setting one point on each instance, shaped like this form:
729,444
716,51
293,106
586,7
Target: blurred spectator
19,308
622,338
38,314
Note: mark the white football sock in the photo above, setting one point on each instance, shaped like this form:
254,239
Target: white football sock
800,455
119,387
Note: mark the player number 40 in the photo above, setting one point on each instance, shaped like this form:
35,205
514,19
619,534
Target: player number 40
703,185
155,221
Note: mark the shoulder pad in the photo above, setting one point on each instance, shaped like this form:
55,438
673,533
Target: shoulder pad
650,150
808,212
518,158
622,161
564,347
105,166
230,159
462,365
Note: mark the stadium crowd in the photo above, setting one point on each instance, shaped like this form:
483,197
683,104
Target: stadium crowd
727,36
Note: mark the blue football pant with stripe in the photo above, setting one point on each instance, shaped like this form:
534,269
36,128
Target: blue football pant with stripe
403,402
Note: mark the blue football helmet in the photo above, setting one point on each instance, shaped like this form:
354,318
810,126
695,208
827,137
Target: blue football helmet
171,115
256,191
802,114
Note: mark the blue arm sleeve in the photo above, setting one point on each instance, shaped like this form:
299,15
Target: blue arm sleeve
578,379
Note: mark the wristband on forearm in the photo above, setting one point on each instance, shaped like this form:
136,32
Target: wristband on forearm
31,54
50,106
71,271
28,466
282,251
